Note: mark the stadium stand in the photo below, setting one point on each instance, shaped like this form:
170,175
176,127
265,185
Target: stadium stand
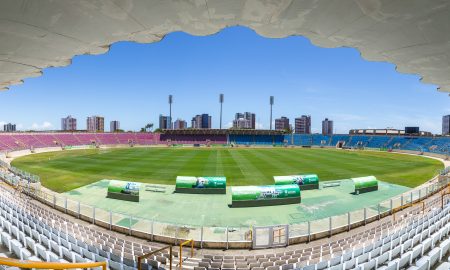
418,240
194,139
20,141
31,231
256,139
420,243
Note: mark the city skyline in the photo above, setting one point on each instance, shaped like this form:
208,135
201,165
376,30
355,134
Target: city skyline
303,78
302,124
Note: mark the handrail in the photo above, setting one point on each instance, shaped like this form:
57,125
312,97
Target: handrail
180,266
49,265
153,252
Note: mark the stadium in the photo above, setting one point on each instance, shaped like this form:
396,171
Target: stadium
231,199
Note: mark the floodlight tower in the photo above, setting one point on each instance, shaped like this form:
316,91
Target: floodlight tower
221,103
170,111
271,105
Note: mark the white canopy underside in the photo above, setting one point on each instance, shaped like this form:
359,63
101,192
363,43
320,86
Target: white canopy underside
412,34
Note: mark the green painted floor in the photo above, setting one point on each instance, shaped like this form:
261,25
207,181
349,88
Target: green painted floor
213,210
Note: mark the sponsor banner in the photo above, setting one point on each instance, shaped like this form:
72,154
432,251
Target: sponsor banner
201,182
301,179
249,193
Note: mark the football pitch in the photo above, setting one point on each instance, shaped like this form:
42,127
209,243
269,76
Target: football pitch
67,170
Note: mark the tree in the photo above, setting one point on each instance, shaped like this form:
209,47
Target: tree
149,127
289,130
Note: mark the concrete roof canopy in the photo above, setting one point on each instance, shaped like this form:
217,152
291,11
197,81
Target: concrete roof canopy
412,34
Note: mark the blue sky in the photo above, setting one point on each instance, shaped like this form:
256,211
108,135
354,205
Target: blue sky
132,81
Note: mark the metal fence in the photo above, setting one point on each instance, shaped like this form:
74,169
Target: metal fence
220,237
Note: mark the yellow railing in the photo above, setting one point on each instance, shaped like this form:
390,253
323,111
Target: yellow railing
140,258
49,265
180,266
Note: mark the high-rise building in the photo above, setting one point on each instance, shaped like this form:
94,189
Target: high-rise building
446,125
282,123
180,124
201,121
327,127
244,120
69,123
95,124
114,126
242,123
165,122
303,124
9,127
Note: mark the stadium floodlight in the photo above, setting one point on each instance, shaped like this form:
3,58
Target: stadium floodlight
221,103
271,105
170,111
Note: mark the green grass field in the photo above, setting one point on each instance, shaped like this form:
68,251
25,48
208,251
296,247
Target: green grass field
66,170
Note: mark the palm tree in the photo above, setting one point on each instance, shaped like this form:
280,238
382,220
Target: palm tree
149,126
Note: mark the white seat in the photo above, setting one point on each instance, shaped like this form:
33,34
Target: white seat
425,234
382,259
68,255
346,256
54,247
16,248
42,252
407,245
118,266
445,246
431,258
362,258
44,241
320,265
416,253
436,237
368,248
30,244
416,239
350,264
77,249
395,243
395,252
404,260
426,245
307,267
420,267
369,265
357,252
6,240
391,266
375,253
386,247
335,261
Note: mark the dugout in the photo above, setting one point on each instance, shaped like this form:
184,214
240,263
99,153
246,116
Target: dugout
365,184
201,185
254,196
122,190
304,181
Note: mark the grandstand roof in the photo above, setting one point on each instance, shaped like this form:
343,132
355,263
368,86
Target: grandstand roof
413,35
